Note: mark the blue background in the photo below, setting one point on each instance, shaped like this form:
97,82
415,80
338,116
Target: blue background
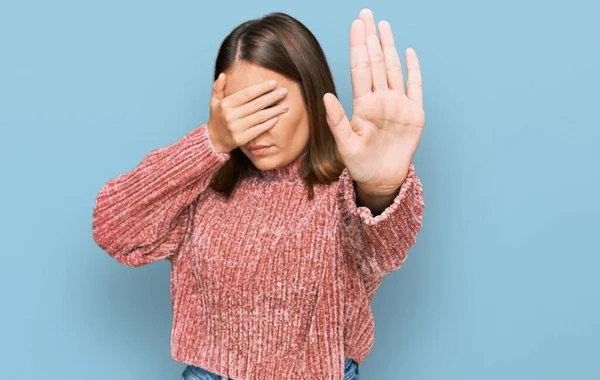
503,280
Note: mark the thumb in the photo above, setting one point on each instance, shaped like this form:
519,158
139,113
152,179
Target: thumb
338,123
218,87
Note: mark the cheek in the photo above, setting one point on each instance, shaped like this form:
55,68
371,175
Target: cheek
284,132
292,117
278,134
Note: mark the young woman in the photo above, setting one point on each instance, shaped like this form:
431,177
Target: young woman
280,216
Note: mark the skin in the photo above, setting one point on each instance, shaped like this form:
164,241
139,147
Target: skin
290,135
379,141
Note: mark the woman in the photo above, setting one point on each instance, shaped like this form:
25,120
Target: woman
280,216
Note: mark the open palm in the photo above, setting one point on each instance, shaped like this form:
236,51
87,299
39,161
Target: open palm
378,144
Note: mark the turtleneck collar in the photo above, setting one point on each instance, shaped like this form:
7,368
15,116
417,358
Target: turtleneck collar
288,172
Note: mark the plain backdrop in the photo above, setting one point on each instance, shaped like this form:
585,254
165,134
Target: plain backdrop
503,280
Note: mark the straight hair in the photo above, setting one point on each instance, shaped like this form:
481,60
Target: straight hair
283,44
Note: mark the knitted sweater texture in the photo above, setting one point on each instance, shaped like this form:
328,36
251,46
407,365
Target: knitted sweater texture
268,285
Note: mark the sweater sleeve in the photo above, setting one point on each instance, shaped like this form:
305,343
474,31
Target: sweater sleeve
143,215
379,244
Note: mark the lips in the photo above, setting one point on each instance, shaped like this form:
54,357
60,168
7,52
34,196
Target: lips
255,147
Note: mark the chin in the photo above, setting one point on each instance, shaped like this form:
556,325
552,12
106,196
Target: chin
265,163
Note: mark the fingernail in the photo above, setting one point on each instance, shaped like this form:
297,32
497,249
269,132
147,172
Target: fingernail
283,91
272,83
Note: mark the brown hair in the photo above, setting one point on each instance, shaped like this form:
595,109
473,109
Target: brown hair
281,43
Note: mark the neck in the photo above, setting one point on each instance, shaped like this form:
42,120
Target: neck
286,172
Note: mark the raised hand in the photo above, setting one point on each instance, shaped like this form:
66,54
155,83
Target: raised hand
378,144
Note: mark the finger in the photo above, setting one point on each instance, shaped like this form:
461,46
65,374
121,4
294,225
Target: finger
395,79
338,123
375,53
249,93
218,87
257,130
263,115
360,67
414,84
261,102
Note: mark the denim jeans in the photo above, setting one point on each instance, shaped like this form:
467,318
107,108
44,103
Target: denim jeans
196,373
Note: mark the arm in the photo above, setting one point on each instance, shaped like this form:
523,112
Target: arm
379,244
143,215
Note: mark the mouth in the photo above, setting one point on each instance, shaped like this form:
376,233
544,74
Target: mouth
254,147
259,149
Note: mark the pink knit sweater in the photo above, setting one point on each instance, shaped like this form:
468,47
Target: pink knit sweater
269,285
